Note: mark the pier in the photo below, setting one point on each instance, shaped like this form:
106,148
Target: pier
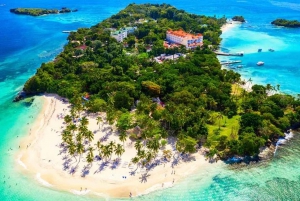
230,54
230,62
69,31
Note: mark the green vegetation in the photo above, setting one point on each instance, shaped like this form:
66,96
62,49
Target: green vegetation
39,11
238,18
286,23
199,104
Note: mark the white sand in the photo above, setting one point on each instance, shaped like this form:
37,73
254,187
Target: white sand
229,25
40,158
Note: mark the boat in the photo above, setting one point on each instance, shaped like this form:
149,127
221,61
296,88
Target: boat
260,63
239,66
271,50
259,50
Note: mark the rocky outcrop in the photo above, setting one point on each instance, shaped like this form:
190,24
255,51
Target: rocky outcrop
266,153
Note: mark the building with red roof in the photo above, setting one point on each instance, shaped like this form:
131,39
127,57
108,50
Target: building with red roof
181,37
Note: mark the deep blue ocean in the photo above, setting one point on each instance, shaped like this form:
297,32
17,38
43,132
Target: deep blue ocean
26,42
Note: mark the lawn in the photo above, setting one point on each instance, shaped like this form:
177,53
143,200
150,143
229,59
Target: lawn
223,127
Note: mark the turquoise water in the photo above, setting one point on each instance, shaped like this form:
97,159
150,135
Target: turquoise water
26,42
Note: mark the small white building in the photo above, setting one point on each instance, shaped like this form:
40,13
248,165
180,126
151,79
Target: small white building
181,37
120,34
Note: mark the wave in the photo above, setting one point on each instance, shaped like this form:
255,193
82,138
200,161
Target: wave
43,182
76,192
287,136
21,163
282,141
156,188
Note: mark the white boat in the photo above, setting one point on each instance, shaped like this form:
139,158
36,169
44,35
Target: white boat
260,63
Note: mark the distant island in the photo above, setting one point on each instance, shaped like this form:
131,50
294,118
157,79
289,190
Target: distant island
238,18
286,23
40,11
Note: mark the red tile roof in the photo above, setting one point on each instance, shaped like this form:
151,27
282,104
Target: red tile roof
183,34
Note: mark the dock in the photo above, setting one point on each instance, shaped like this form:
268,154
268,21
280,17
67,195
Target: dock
230,54
230,62
69,31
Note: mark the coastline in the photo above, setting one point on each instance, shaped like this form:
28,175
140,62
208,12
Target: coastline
229,25
41,160
226,27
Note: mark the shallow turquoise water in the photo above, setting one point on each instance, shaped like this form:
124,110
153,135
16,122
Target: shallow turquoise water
26,42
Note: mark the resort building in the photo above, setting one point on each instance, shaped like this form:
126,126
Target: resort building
122,33
181,37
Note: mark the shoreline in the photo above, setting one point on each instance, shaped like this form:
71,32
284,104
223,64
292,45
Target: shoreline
41,161
229,25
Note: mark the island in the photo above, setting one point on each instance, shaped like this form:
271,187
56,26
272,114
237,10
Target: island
40,11
286,23
141,96
238,18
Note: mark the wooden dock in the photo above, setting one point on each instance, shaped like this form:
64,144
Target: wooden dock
230,62
229,54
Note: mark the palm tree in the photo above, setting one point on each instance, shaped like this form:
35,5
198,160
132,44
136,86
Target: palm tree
141,154
153,145
98,145
149,156
72,150
123,137
112,145
66,136
99,120
90,156
135,160
84,121
89,135
90,159
79,150
219,116
278,87
73,113
138,145
119,150
83,129
72,128
79,137
106,151
68,119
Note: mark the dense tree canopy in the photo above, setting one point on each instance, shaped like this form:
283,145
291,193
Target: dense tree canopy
191,98
286,23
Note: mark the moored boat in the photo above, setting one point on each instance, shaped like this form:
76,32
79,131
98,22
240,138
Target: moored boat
260,63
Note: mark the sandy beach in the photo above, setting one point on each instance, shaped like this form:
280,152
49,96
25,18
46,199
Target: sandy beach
42,158
229,25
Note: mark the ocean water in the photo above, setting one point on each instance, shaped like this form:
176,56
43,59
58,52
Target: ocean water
26,42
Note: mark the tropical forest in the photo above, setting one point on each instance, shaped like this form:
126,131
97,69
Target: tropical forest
191,97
